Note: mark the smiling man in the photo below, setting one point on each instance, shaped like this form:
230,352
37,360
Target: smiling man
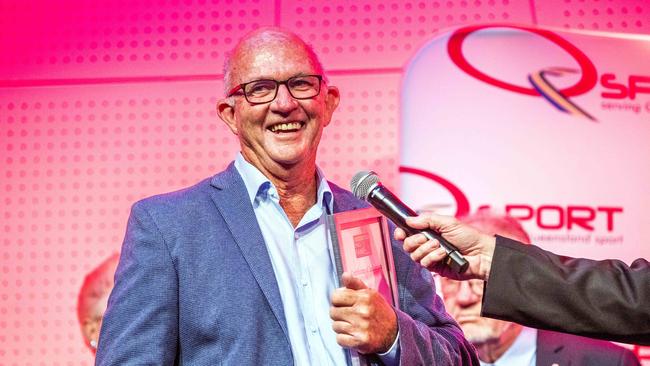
237,270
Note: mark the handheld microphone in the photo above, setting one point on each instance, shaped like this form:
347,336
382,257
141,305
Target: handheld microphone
366,186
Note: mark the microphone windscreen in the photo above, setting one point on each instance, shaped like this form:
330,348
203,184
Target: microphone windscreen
362,183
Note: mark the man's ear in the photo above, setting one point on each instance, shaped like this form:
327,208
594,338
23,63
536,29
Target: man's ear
226,111
90,328
332,100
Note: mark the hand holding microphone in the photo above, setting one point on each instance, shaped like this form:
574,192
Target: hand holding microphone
476,247
365,185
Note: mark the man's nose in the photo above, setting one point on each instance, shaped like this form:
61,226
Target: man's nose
465,295
283,101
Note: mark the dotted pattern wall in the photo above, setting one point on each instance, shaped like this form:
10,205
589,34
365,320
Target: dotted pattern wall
364,132
629,16
90,39
376,34
71,167
103,103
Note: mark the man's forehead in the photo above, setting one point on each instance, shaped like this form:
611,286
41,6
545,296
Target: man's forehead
269,52
451,285
272,61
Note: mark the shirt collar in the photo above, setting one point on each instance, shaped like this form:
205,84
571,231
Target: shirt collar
259,187
522,350
526,341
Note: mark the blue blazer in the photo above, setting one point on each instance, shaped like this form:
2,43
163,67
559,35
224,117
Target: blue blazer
195,286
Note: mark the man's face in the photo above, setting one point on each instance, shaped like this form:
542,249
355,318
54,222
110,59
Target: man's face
463,301
300,121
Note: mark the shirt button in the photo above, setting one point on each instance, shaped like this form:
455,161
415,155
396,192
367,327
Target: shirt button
314,330
305,283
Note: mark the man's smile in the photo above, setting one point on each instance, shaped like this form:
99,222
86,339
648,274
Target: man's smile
285,127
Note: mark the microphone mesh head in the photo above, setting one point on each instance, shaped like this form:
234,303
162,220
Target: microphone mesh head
363,182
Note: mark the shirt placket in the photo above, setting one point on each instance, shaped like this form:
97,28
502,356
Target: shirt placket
319,354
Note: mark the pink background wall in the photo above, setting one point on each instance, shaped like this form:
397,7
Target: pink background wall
103,103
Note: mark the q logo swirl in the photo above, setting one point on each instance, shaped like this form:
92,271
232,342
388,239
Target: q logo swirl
462,203
540,86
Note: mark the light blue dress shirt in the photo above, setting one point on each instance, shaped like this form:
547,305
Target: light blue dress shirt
304,268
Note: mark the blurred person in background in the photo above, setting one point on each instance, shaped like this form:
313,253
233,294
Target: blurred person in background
93,297
503,343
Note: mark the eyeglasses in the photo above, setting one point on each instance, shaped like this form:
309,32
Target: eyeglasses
451,287
265,90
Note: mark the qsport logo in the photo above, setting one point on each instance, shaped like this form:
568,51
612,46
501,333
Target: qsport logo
538,79
552,217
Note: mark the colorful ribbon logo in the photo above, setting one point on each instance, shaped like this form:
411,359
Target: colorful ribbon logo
552,94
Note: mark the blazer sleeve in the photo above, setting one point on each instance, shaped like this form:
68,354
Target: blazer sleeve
598,299
140,325
428,335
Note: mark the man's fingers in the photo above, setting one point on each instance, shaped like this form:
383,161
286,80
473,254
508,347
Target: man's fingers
346,314
431,221
343,297
433,258
367,325
399,234
419,222
349,281
342,327
413,242
424,249
347,341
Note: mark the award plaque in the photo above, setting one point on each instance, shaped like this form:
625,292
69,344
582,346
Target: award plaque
361,246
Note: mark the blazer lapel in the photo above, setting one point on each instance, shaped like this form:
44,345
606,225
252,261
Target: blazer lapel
550,351
344,200
231,199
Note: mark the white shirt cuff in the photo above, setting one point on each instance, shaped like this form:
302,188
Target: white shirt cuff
391,357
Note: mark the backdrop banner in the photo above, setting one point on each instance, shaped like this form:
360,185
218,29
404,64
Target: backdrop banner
549,126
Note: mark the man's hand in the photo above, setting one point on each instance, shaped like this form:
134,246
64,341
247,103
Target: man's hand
477,247
362,319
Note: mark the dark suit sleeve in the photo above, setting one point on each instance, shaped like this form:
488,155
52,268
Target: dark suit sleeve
140,325
428,334
598,299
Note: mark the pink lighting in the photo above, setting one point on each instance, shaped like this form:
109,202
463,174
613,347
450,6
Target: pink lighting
106,102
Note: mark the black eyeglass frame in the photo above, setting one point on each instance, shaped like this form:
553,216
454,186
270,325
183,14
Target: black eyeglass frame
242,87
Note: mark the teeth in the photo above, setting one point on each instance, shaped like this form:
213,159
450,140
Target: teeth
285,127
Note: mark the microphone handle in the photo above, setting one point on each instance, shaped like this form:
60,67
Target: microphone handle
393,208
